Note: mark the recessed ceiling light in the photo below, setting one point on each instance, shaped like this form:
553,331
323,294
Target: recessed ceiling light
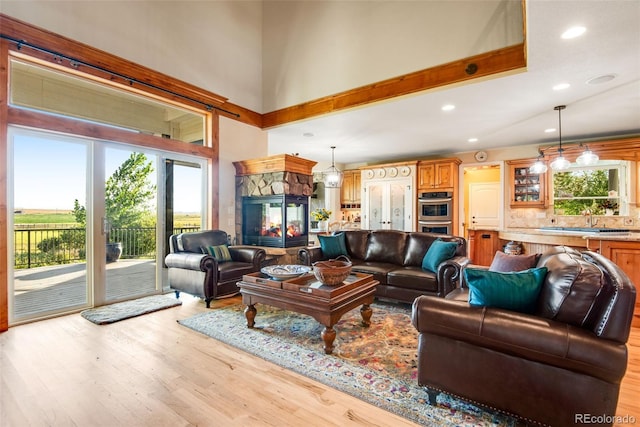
573,32
448,107
601,79
549,130
561,86
472,139
307,134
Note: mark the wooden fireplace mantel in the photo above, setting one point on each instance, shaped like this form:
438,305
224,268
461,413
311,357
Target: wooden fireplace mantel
277,163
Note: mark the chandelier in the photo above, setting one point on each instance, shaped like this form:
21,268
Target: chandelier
560,163
332,177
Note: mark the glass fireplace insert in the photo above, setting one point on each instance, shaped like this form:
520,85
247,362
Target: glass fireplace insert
278,221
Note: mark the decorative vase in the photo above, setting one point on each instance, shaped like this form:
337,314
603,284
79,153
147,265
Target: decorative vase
114,250
323,225
608,212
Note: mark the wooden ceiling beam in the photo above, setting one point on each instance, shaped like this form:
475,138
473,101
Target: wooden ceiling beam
479,66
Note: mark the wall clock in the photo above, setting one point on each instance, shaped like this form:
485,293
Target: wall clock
481,156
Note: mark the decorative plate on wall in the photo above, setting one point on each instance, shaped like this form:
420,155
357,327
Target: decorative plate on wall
405,171
381,173
368,173
393,172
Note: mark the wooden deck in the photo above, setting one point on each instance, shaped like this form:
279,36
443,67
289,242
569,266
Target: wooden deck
64,287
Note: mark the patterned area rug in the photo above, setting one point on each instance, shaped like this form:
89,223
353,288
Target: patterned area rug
124,310
376,364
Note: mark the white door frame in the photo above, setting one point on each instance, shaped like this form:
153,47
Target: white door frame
462,226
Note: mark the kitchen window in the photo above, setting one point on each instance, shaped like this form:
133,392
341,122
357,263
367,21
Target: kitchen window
600,189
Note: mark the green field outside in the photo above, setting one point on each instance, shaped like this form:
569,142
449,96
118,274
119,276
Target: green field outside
180,220
44,218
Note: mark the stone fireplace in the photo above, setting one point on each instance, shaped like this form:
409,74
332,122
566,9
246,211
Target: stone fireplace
272,201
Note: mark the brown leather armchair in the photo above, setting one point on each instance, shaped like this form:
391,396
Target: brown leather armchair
556,366
195,272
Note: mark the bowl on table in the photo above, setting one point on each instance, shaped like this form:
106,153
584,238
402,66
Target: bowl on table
284,272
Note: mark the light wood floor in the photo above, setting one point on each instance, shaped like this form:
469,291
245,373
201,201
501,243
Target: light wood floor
150,371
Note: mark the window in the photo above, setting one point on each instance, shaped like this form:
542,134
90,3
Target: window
39,88
600,189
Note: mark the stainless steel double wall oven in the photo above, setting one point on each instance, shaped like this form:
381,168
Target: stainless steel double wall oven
435,212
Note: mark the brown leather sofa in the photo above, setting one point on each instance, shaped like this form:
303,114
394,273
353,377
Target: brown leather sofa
560,366
395,260
195,272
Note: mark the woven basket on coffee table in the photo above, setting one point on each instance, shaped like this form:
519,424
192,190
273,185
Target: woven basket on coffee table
332,272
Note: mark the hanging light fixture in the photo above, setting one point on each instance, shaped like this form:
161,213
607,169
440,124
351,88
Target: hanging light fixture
560,163
588,157
539,166
332,177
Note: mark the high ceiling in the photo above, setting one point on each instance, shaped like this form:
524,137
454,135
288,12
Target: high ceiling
506,110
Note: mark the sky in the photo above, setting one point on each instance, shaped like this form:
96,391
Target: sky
50,173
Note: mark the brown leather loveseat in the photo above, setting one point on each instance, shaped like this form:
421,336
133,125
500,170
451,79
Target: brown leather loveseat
560,365
395,260
192,269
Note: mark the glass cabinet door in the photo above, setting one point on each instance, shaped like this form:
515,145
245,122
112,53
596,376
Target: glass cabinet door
375,212
397,202
527,189
388,205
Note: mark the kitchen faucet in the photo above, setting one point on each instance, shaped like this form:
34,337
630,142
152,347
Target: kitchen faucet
590,221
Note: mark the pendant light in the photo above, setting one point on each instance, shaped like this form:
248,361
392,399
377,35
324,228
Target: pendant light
560,163
588,157
539,166
332,177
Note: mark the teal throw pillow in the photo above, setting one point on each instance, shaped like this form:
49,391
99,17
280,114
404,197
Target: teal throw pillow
220,253
515,291
333,246
438,251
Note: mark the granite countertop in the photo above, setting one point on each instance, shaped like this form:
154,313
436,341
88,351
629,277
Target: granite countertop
512,233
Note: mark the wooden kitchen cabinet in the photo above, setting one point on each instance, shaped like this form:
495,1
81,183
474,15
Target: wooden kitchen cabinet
350,190
626,255
438,174
483,244
526,190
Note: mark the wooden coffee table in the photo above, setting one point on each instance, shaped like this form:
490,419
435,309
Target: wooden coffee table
306,295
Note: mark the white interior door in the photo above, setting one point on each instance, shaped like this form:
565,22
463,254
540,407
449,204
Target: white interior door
484,205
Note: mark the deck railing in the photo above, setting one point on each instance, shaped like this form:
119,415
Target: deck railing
36,247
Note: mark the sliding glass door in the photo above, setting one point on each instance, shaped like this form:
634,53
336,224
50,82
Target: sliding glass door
49,245
130,222
91,219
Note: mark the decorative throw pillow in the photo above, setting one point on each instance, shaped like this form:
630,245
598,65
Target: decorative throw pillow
505,263
220,252
515,291
438,251
333,246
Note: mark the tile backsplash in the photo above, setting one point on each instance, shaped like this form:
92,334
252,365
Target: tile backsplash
536,218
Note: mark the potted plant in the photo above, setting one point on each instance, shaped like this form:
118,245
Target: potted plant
321,215
609,206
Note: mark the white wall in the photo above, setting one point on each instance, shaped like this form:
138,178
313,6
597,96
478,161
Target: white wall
214,45
238,141
273,54
318,48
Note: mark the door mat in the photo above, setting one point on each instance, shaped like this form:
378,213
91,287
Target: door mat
127,309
